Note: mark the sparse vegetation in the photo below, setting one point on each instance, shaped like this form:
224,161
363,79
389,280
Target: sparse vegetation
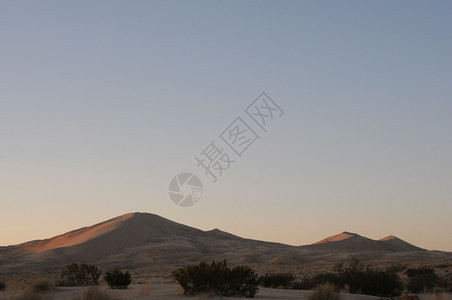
277,280
217,278
117,279
79,275
37,291
354,277
2,286
325,291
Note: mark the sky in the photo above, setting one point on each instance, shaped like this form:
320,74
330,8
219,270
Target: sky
102,103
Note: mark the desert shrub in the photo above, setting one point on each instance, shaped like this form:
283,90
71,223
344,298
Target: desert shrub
380,283
217,278
241,281
41,285
325,291
94,293
117,279
421,279
2,286
79,275
367,280
275,280
357,278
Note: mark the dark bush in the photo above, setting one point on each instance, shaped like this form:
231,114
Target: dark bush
367,280
117,279
79,275
380,283
2,286
277,280
421,279
242,281
358,279
217,278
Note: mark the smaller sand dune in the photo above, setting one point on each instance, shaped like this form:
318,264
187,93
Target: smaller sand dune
354,242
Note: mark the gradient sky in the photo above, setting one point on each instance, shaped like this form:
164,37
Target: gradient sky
103,102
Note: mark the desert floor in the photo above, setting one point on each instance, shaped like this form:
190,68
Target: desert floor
164,289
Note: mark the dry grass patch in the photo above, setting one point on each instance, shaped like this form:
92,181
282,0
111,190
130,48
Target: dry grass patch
325,291
95,293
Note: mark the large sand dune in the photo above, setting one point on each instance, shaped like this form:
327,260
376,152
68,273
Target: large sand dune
150,243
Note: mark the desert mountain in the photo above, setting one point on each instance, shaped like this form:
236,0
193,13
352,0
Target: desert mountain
354,242
150,241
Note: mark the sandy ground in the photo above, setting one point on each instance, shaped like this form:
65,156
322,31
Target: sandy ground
167,291
162,289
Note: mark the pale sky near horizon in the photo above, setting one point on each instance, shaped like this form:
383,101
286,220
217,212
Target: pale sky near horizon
102,103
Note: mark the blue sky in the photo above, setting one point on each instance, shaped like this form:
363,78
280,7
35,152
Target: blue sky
102,103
